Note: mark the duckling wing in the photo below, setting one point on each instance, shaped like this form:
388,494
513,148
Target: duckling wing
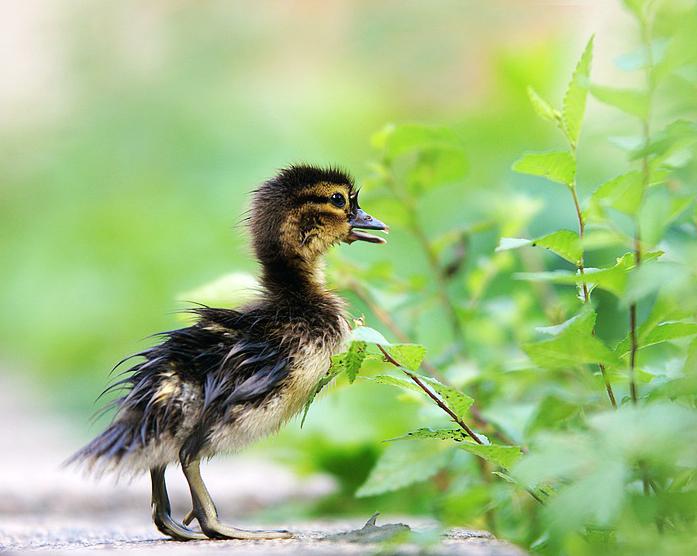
245,366
186,384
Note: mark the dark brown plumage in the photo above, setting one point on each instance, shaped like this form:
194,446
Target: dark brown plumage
237,375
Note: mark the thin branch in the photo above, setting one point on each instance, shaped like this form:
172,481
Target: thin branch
454,417
586,292
384,317
431,395
646,178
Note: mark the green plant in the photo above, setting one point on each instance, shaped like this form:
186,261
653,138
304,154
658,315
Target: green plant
578,438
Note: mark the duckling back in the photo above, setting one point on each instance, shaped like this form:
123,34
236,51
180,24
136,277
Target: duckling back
218,385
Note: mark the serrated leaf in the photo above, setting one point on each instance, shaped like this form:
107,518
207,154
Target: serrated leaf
353,359
457,435
336,368
572,346
503,456
613,279
662,332
629,101
403,383
458,402
557,166
574,105
542,107
564,243
623,193
408,355
368,335
405,463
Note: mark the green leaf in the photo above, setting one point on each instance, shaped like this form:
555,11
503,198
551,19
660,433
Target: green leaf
553,412
408,355
613,279
552,276
458,435
458,402
596,498
623,193
564,243
658,276
660,333
557,166
405,463
630,101
353,359
349,362
506,243
573,344
368,335
676,136
503,456
336,368
542,107
658,212
403,383
574,105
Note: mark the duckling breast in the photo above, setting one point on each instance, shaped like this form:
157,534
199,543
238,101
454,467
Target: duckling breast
309,353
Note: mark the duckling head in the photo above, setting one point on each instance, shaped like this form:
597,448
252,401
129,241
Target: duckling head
300,213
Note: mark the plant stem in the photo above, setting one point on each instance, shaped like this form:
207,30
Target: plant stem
646,178
453,416
431,395
384,317
586,292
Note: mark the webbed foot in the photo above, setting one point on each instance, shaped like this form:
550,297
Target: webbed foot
205,512
162,513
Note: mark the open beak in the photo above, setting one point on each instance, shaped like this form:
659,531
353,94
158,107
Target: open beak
361,220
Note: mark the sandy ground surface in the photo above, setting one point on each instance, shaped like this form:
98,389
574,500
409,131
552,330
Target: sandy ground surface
45,508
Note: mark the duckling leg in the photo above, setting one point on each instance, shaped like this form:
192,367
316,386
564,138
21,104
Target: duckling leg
162,513
207,514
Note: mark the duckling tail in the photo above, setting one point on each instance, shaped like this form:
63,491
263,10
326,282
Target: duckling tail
106,450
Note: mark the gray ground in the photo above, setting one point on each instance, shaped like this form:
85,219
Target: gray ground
44,508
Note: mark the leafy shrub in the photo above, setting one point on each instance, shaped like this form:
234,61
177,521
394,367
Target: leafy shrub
569,440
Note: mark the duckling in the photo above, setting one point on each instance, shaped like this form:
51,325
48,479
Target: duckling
238,375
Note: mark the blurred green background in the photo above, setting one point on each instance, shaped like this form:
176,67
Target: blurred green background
132,133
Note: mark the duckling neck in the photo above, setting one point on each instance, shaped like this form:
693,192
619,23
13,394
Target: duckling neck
294,278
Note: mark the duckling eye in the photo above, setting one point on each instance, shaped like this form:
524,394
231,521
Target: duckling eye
338,200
